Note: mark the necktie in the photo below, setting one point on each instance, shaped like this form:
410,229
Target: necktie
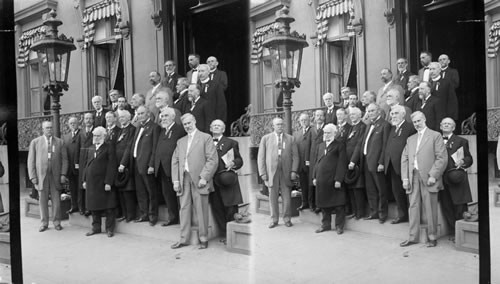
49,146
192,105
419,139
280,145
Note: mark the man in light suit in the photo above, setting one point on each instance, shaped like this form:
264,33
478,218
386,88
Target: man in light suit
278,162
194,163
47,167
423,162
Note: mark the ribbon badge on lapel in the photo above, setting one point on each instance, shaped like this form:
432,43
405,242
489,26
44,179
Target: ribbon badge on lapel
121,137
399,132
351,134
219,147
170,134
449,145
437,86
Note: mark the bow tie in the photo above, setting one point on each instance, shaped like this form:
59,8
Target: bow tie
446,137
426,67
216,139
194,70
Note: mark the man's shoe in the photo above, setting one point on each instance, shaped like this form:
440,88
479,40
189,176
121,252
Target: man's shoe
43,228
321,230
203,245
178,245
224,241
58,227
407,243
82,212
141,219
317,210
399,220
169,223
119,219
432,243
273,224
350,216
110,234
302,207
153,221
87,213
381,220
72,210
288,224
357,217
90,233
340,230
371,217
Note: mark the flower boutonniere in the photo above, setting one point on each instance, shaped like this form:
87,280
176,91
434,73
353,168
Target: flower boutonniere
220,146
437,86
450,145
169,134
351,134
399,132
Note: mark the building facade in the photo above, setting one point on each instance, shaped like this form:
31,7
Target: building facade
351,41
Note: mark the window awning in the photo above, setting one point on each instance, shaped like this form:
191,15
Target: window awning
25,41
102,10
328,10
494,40
258,38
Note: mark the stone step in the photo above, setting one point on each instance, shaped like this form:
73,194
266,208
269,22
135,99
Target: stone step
143,229
32,208
397,231
262,205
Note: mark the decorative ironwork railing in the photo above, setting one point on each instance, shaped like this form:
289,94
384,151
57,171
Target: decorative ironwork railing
31,127
493,118
261,124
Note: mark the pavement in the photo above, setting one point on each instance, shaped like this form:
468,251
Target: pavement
279,255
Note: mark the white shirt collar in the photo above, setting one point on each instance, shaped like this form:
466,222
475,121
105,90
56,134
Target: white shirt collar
205,81
436,79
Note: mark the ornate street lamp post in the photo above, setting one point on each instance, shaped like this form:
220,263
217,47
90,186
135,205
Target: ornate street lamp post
286,48
53,54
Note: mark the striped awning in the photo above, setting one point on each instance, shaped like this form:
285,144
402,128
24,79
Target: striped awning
494,40
102,10
258,38
328,10
25,41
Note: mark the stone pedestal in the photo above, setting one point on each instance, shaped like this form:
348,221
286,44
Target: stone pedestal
263,206
238,237
467,236
32,208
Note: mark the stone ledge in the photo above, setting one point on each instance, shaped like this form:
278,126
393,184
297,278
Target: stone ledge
32,208
263,206
467,236
238,238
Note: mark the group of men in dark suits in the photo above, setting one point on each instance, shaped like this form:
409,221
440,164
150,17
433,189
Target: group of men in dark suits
344,157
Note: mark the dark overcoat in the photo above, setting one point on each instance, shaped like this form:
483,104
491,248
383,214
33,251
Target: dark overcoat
395,145
100,170
123,143
330,167
230,195
355,137
460,193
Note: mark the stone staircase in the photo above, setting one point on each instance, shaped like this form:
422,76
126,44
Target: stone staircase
397,231
143,229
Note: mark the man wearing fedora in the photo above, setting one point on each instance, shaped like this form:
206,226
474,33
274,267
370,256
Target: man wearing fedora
328,175
125,178
354,178
227,194
423,163
167,141
456,193
400,131
278,162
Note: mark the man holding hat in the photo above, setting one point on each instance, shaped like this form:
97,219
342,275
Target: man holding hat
227,194
456,193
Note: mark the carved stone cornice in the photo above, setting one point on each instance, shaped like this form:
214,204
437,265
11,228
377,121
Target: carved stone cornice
35,11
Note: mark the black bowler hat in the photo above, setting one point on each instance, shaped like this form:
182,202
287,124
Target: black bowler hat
455,176
352,175
122,178
226,179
